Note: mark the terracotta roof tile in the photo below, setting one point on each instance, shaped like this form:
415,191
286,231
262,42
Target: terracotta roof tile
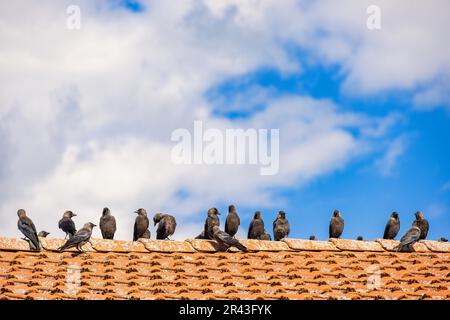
198,269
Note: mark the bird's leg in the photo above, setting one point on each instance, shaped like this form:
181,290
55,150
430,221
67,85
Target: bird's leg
65,236
80,248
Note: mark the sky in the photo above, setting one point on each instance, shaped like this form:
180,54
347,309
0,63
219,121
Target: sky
86,115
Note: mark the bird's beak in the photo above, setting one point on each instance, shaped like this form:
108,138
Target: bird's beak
137,211
218,213
155,223
74,215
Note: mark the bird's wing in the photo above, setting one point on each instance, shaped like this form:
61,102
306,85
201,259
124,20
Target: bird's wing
81,236
250,229
411,236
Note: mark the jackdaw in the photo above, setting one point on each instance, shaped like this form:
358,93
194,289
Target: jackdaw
232,221
407,241
211,221
141,225
166,225
442,239
313,237
359,238
67,225
281,226
79,238
392,226
422,224
336,225
107,224
256,229
26,226
224,238
43,234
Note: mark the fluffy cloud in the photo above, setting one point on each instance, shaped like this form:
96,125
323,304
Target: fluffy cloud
86,116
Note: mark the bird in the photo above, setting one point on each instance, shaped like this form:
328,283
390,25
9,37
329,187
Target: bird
407,241
359,238
281,226
43,234
313,237
256,229
232,221
422,224
392,226
336,225
141,225
226,239
442,239
79,238
166,225
26,226
107,224
67,225
265,236
211,221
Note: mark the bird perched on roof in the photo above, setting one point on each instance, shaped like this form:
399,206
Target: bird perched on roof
281,226
256,229
336,225
79,238
67,225
422,224
107,224
211,221
407,241
442,239
313,237
359,238
232,221
43,234
141,225
265,236
166,225
392,226
224,238
26,226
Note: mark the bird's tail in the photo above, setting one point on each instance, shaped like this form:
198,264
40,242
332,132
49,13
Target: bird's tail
241,247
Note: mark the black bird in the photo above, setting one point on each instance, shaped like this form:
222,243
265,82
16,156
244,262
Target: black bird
166,225
313,237
392,226
407,241
232,221
43,234
211,221
360,238
224,238
107,224
422,224
281,226
67,225
265,236
26,226
79,238
442,239
256,229
141,225
336,225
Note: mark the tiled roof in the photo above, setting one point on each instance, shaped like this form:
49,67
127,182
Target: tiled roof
196,269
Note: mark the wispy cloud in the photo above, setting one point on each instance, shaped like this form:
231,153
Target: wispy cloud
395,150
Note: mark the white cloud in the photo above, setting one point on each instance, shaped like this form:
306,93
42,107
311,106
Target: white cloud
86,116
394,151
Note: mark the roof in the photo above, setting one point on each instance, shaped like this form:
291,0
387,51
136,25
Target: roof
196,269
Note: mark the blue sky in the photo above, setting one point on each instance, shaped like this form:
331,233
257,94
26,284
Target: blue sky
364,196
86,115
